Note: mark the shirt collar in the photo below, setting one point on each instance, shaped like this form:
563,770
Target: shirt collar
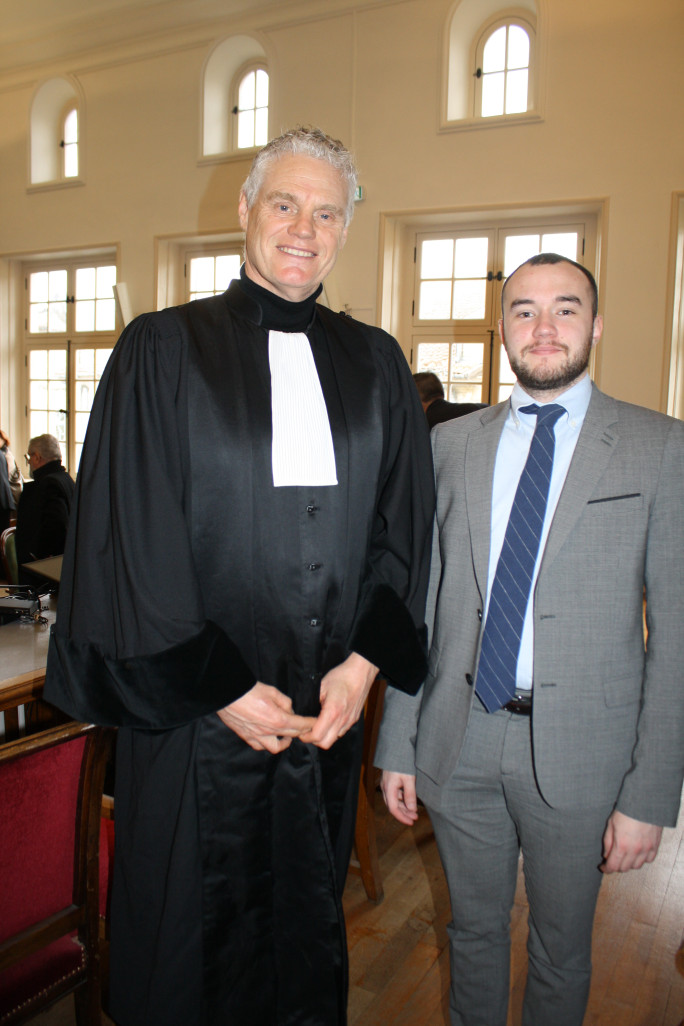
575,400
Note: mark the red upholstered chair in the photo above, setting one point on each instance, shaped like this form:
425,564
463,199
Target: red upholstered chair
50,797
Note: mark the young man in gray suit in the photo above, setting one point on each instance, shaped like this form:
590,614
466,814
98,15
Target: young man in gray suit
545,723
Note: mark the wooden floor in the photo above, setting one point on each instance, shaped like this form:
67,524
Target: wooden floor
398,949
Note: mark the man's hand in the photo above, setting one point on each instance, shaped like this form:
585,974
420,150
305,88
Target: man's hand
263,718
628,843
399,791
344,690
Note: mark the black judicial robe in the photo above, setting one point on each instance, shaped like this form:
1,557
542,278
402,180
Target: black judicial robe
187,577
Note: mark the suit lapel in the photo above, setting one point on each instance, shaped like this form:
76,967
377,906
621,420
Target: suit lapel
481,449
595,447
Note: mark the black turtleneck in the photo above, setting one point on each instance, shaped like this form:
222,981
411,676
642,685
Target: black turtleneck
278,314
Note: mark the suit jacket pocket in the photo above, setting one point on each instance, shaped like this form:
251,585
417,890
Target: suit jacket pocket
617,504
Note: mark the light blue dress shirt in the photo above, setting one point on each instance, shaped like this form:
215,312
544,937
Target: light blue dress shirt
514,445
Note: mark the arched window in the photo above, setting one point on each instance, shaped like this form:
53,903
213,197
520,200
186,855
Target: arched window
251,110
493,63
503,69
56,133
235,98
69,143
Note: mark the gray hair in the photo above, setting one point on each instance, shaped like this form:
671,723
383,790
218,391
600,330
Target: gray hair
46,446
306,142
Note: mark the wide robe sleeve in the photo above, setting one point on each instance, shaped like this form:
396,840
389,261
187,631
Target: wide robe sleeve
389,628
131,645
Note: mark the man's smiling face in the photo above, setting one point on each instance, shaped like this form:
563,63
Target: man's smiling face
295,228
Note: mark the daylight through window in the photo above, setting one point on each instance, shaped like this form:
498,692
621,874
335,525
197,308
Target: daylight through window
459,276
70,144
252,109
70,334
503,72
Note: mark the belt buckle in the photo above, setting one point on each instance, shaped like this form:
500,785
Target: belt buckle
519,705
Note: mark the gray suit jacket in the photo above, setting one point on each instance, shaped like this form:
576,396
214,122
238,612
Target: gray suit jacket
608,715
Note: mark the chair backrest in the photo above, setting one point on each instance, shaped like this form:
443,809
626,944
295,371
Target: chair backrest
8,553
50,792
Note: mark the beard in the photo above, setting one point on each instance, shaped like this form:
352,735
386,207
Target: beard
551,379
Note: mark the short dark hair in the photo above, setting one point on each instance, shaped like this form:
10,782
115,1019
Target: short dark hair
429,386
556,258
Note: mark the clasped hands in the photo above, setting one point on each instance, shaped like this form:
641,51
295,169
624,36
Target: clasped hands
264,718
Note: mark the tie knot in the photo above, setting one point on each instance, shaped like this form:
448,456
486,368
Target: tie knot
547,415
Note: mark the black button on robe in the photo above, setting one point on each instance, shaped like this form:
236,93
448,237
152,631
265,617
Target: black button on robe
186,579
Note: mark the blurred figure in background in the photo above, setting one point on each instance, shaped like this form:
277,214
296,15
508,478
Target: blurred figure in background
11,482
437,408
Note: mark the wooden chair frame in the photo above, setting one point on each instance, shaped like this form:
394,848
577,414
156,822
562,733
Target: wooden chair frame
82,915
367,864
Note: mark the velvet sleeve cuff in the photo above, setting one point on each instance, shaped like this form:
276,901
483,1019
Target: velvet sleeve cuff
158,691
385,634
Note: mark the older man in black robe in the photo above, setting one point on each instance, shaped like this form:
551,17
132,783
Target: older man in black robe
250,546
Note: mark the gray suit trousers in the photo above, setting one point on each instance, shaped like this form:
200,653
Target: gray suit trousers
486,812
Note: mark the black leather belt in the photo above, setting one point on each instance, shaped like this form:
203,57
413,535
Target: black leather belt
521,705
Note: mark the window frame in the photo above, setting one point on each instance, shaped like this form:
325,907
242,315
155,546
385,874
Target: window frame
213,249
69,108
253,65
69,341
466,22
52,102
484,331
487,30
224,66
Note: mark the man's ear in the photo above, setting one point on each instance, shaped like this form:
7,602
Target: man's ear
243,211
597,329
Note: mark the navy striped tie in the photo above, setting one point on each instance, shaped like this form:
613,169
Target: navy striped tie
496,674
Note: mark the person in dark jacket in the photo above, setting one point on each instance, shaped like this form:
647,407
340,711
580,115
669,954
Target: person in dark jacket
44,504
10,482
437,408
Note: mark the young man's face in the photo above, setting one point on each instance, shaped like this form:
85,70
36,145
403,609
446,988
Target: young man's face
295,228
547,327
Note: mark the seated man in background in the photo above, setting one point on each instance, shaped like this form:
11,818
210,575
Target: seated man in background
44,504
437,408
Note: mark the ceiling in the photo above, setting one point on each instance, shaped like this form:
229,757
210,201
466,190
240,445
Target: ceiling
45,31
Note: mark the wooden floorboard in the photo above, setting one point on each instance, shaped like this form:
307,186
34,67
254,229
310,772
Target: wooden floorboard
399,962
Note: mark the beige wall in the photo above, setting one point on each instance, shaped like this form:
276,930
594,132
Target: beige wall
613,104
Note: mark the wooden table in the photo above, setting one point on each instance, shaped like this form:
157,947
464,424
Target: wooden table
23,655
